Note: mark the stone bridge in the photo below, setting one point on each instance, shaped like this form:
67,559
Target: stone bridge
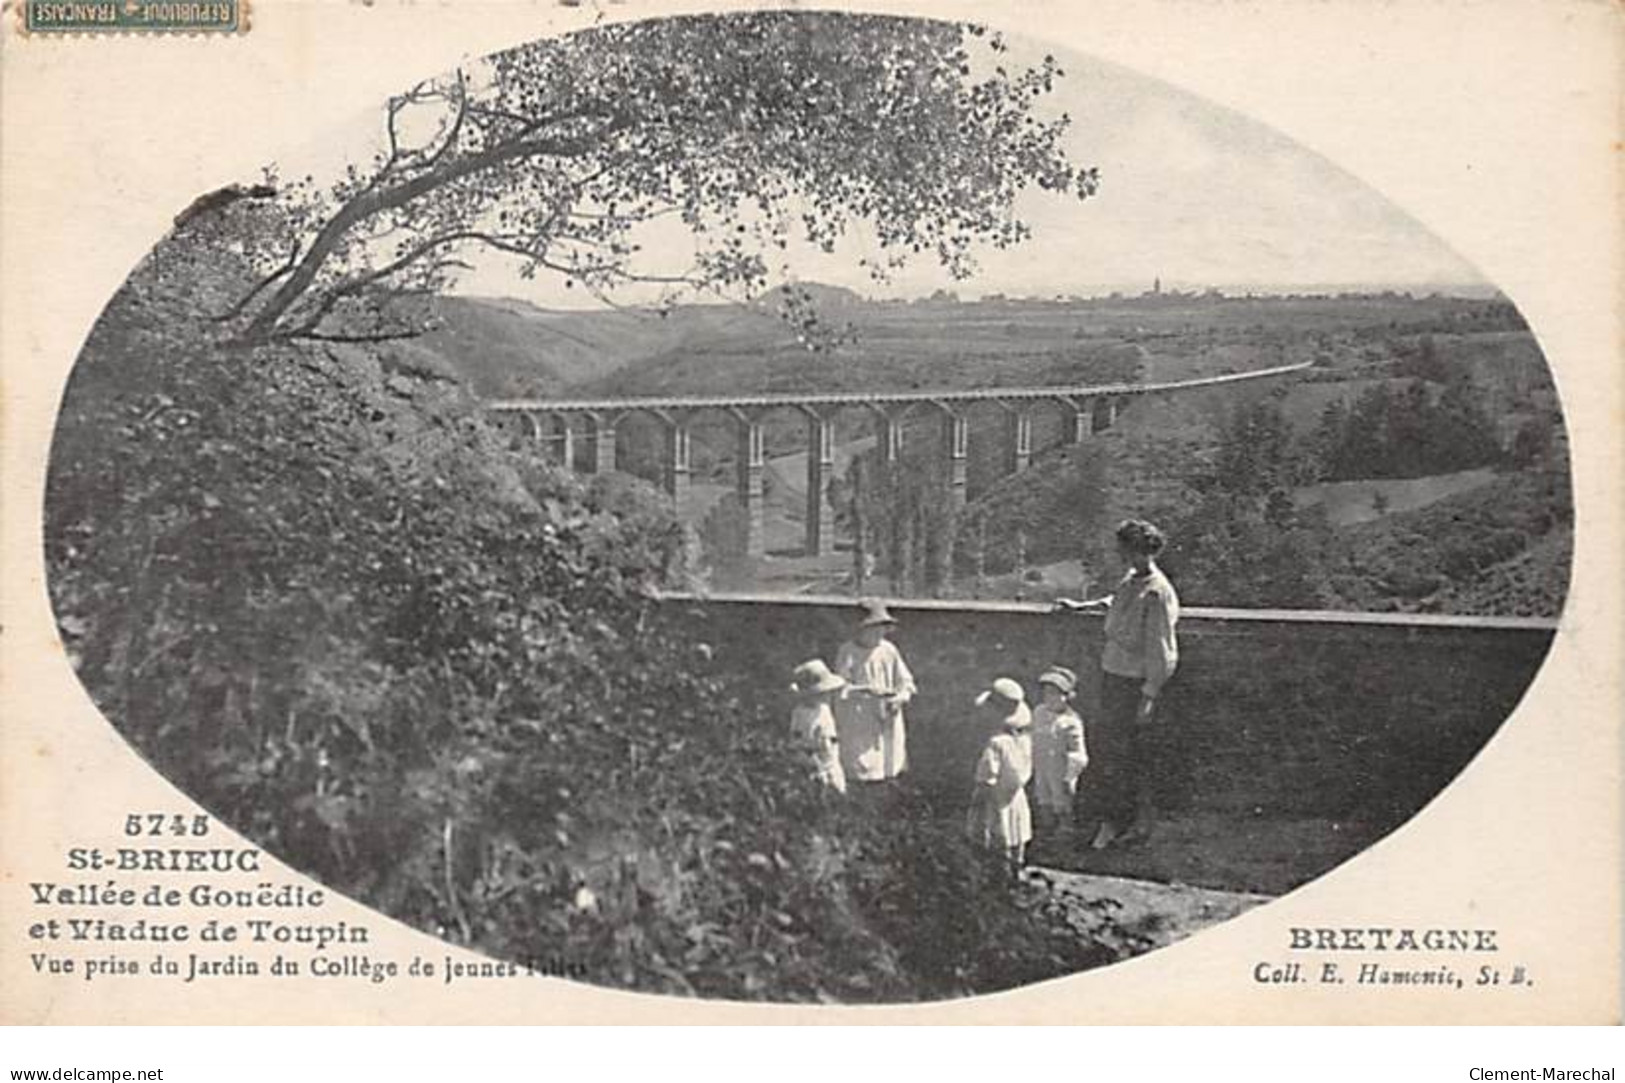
583,431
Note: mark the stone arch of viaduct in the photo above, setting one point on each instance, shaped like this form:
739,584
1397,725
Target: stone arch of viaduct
584,432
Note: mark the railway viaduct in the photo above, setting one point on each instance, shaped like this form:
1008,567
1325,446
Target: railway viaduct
584,431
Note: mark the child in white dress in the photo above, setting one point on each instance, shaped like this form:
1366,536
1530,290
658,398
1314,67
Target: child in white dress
1000,817
1059,755
812,720
869,715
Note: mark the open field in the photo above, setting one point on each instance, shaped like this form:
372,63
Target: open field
1347,502
697,349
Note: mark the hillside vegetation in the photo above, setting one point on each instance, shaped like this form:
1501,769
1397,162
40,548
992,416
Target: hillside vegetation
1406,395
1501,549
1406,494
321,595
1410,401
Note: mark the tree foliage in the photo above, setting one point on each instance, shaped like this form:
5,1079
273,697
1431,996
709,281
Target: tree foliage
753,130
1413,432
908,521
1240,540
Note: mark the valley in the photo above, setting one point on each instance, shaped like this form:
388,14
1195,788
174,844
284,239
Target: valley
1462,373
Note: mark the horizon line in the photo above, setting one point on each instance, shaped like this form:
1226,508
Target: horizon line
1460,290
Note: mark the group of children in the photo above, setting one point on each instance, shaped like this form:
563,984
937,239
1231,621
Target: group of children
850,719
849,722
1040,749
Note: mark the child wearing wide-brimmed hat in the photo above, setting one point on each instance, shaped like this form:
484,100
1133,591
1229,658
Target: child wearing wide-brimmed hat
1000,817
869,714
812,721
1059,754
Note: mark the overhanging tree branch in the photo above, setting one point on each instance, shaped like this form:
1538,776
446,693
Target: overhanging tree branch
749,127
372,202
265,283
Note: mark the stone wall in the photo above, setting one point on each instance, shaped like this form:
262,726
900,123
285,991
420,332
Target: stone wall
1344,721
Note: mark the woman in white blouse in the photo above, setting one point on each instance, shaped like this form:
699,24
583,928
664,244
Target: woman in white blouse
1141,653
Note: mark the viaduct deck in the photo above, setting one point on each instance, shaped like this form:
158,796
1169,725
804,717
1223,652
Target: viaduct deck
1092,407
815,400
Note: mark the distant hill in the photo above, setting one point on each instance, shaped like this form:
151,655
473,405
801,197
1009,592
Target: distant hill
505,347
888,345
824,296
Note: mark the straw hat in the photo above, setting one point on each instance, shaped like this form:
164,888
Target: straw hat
874,612
1061,678
1008,695
815,676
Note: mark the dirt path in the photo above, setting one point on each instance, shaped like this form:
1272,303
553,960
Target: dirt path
1133,916
1221,851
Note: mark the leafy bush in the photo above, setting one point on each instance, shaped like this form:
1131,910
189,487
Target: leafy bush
1410,434
1503,548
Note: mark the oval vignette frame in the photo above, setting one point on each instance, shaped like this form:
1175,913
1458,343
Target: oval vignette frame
133,622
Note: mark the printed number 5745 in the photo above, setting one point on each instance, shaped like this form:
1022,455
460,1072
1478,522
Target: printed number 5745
162,823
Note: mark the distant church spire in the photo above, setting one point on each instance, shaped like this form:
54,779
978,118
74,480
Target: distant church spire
1156,286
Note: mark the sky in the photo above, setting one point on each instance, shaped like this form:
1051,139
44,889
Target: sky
1191,193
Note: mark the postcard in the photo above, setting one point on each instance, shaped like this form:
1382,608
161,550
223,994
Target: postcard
522,512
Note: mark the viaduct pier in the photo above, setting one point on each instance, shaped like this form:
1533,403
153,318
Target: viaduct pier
583,431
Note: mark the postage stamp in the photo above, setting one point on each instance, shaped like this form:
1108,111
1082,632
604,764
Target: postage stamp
133,16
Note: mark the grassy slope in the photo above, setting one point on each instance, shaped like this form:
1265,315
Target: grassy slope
1532,583
507,347
1501,548
1348,502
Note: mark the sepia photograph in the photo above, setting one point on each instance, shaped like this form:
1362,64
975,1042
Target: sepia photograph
805,507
